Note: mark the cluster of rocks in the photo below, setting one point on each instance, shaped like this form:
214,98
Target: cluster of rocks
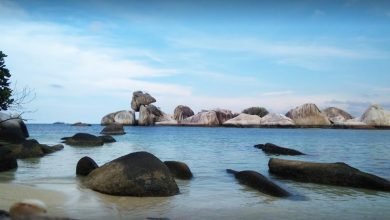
339,174
15,145
306,115
135,174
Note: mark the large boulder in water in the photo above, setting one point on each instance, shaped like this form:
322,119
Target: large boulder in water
121,117
113,129
204,118
259,182
308,115
339,174
270,148
148,115
243,120
33,149
223,115
85,166
376,115
139,99
337,115
179,169
273,119
12,129
182,112
83,139
135,174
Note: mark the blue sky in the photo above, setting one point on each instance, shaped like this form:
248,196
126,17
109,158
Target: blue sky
85,58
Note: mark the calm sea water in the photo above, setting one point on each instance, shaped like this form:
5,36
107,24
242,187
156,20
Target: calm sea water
214,194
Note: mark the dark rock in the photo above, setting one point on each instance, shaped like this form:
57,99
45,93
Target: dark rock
51,149
30,149
81,124
12,129
7,159
339,174
107,139
140,98
259,182
182,112
179,169
85,166
83,139
113,129
135,174
4,215
274,149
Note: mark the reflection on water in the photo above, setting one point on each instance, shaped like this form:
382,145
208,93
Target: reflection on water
213,193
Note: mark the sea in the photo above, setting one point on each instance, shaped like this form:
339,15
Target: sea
213,193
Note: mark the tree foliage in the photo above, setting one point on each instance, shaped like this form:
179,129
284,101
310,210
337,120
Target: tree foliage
6,99
259,111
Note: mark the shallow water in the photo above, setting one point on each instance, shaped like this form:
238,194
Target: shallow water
214,194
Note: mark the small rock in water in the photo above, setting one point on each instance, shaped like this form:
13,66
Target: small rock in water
85,166
275,149
27,209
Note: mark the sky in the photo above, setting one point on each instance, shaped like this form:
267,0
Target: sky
84,59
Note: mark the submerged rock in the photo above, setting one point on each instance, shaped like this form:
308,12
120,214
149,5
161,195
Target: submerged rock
182,112
376,115
339,174
85,166
107,139
308,115
81,124
273,119
121,117
139,99
275,149
179,169
83,139
12,129
113,129
244,120
259,182
135,174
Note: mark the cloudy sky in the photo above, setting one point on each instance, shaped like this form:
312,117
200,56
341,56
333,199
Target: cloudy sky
84,59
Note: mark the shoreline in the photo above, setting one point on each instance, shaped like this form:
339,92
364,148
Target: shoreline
334,126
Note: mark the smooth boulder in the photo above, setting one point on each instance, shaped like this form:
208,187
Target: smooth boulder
121,117
204,118
139,99
308,115
243,120
259,182
107,139
135,174
83,139
179,169
148,115
336,115
376,115
339,174
113,129
273,119
12,129
85,166
32,149
182,112
270,148
223,115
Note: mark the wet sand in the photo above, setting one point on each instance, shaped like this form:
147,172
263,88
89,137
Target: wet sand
11,193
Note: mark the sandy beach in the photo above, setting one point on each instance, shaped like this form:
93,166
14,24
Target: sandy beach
11,193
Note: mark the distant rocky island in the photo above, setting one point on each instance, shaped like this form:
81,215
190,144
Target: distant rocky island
305,116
